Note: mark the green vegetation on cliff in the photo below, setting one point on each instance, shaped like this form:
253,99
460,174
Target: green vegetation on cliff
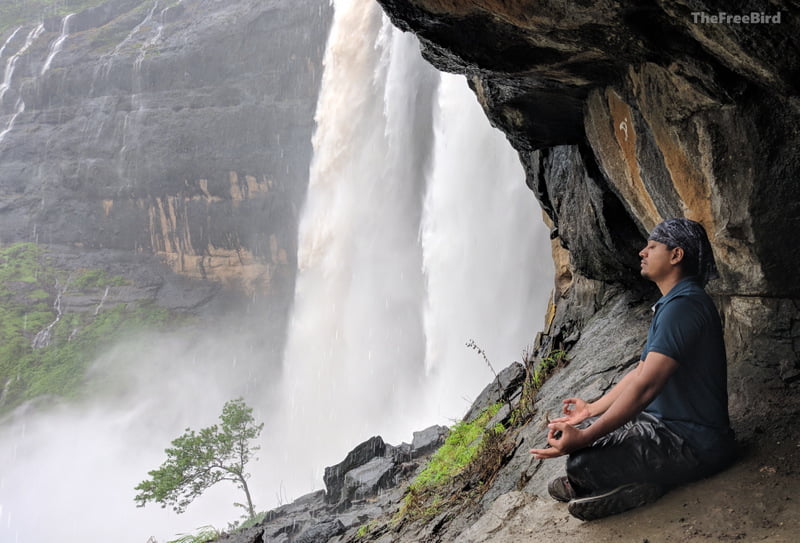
432,487
45,348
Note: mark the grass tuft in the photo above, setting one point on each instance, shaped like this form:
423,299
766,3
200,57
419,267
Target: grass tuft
428,492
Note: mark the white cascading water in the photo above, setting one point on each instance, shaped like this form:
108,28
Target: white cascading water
418,235
58,44
8,74
11,63
486,254
9,40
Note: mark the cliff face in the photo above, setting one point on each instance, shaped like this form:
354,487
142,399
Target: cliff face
175,129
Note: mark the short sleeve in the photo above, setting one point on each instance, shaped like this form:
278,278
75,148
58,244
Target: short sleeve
678,328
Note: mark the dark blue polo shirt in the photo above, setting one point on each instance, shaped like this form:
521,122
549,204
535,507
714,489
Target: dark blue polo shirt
694,401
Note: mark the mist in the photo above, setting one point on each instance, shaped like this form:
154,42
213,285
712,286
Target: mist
69,472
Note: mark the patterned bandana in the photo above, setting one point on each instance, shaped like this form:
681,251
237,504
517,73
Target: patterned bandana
691,237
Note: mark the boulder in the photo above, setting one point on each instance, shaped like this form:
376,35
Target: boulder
428,440
367,480
363,453
320,532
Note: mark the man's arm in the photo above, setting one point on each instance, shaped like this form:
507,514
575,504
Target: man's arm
626,400
601,405
576,410
649,378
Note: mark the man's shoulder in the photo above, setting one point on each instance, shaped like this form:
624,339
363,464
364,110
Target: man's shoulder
692,304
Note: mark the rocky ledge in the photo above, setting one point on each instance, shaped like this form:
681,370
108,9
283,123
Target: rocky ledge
368,484
364,493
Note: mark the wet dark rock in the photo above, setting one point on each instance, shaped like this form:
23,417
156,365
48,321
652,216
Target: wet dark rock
254,534
400,453
334,476
303,504
602,240
367,480
320,532
503,388
428,440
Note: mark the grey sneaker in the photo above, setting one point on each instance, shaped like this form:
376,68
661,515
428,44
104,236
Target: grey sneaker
615,501
561,490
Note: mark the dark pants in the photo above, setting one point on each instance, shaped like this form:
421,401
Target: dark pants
643,450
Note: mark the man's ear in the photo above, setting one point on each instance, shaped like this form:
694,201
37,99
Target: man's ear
677,255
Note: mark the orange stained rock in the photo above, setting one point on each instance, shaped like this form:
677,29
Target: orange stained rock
631,185
170,238
657,98
242,190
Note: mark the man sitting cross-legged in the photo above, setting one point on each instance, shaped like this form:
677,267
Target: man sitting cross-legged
666,422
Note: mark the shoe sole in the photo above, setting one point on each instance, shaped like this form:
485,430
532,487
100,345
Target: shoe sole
556,492
615,501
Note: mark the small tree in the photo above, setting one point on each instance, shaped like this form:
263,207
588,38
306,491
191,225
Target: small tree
198,460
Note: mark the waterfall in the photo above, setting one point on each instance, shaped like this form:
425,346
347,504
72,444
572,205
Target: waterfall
55,47
8,73
418,234
486,254
43,336
11,63
8,40
356,339
151,41
147,18
19,108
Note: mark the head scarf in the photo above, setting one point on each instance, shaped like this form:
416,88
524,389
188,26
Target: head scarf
691,237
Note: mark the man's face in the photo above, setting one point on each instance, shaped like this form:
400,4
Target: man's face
657,260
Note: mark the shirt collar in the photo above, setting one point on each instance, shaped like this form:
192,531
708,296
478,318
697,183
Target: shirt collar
684,286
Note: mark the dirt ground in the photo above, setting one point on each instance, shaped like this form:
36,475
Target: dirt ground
754,500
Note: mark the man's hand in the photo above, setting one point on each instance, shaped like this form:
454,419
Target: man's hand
576,411
563,438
